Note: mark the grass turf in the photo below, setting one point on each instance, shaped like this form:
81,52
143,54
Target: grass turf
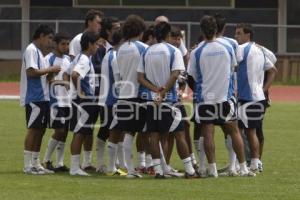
280,179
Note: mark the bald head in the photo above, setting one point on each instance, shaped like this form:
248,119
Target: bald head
161,18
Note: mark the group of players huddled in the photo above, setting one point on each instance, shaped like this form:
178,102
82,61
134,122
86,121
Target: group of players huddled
132,77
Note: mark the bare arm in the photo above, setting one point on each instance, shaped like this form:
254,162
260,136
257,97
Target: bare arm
32,72
146,83
271,73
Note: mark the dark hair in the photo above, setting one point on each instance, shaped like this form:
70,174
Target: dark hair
247,28
91,14
117,37
208,26
175,31
106,25
148,32
133,27
161,31
58,37
42,29
88,37
221,22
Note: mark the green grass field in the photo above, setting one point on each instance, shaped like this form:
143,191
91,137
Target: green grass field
280,179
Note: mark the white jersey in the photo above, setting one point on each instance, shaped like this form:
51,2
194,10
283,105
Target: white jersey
269,54
33,89
58,93
250,75
75,47
83,66
211,65
110,75
128,58
159,60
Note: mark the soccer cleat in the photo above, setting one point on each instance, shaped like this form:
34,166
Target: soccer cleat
256,171
150,171
78,172
48,165
159,176
202,173
33,171
118,172
102,169
63,168
224,169
174,174
231,173
141,170
89,168
41,168
196,167
213,175
247,173
190,176
133,175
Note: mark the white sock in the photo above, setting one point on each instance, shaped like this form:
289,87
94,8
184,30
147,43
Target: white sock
196,145
100,148
112,154
121,156
212,168
35,161
254,163
87,158
231,153
149,162
164,165
60,152
202,155
75,163
27,159
188,165
157,166
127,144
194,161
50,149
141,159
243,167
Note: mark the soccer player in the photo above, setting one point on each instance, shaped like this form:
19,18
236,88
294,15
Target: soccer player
129,116
109,26
83,98
93,20
250,78
35,97
59,103
210,67
158,72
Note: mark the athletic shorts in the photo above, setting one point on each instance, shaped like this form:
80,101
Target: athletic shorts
216,114
37,114
106,116
59,117
129,115
251,114
163,118
84,116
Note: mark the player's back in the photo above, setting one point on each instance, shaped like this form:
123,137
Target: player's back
213,63
128,58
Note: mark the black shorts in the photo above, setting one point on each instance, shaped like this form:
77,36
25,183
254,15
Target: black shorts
251,114
59,117
84,116
129,115
106,116
163,118
37,114
216,114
